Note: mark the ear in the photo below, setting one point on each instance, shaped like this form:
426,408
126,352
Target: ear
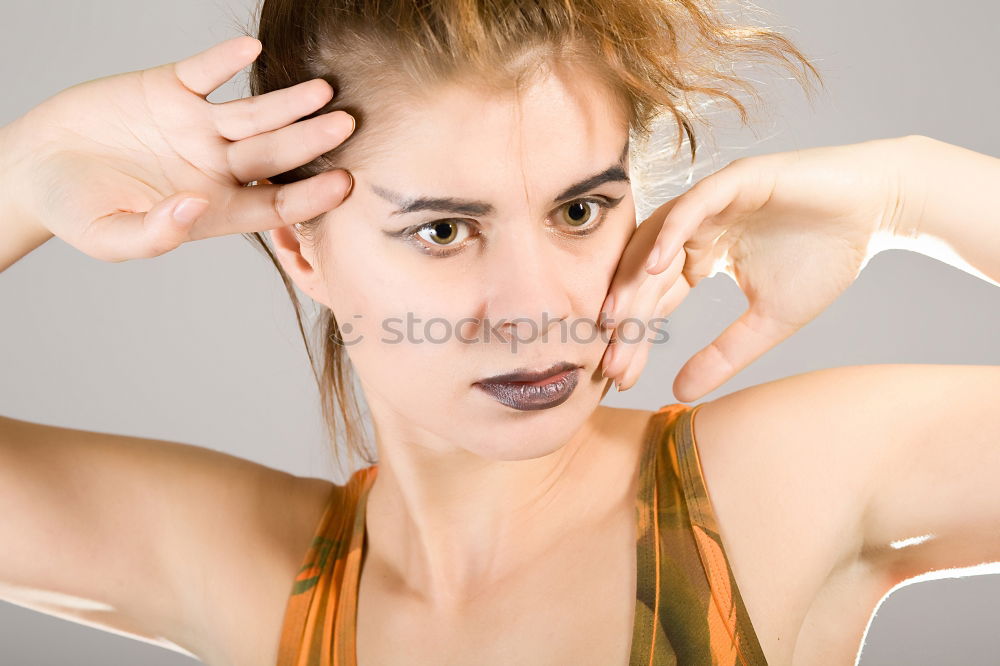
298,260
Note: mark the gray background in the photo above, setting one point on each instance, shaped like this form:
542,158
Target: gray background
200,345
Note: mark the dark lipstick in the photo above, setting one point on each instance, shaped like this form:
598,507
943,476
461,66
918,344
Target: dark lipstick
528,390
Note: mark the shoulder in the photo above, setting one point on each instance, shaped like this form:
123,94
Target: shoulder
245,626
305,502
808,471
841,427
787,469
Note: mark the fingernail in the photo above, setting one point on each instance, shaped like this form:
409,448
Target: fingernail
609,359
188,210
653,258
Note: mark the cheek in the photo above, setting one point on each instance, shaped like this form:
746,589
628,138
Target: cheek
368,285
389,321
357,277
602,263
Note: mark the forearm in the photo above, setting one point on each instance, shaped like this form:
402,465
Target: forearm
949,205
19,233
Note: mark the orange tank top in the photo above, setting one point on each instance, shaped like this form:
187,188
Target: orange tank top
688,609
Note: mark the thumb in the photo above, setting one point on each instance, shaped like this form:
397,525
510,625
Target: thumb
140,235
743,342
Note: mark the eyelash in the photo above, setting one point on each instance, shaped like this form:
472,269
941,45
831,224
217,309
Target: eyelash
605,205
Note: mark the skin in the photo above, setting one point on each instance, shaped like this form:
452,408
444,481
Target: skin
842,462
470,490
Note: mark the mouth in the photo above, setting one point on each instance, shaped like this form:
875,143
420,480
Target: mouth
528,390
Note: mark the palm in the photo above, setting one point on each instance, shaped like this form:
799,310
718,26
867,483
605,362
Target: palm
790,260
151,140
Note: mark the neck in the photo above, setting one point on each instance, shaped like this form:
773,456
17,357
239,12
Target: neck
448,524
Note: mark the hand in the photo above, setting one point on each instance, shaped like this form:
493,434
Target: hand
645,297
793,229
131,166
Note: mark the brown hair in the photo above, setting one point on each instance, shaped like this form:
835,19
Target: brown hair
656,57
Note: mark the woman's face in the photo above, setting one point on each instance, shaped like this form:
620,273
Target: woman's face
528,209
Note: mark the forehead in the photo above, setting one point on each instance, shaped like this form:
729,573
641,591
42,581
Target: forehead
558,124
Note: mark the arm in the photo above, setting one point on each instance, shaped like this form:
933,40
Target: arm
947,207
933,499
868,475
912,449
150,539
931,434
155,539
19,233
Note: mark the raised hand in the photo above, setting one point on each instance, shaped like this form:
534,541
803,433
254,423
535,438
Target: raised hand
793,229
133,165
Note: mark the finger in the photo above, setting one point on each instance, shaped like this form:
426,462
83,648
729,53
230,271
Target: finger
627,333
204,72
617,356
284,149
264,207
746,339
709,196
631,336
636,365
628,274
623,353
673,298
706,251
141,235
625,288
243,118
640,354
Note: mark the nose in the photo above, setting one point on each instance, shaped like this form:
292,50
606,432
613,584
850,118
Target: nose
528,284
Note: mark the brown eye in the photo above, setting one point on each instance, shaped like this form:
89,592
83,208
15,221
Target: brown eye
579,213
441,233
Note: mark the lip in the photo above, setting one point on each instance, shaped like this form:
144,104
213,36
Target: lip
530,375
531,390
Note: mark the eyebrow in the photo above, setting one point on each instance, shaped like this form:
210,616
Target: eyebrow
614,173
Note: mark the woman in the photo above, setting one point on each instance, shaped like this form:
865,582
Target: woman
498,513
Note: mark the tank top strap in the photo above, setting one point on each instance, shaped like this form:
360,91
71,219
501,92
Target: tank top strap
318,626
688,607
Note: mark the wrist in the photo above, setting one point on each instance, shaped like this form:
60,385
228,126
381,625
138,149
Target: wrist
945,204
20,231
906,159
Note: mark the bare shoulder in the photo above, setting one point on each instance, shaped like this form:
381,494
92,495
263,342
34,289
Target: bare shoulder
788,466
170,543
247,619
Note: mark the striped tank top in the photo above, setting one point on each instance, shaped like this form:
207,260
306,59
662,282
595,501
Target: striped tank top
688,610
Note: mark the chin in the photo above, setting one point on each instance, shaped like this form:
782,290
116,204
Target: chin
530,435
511,451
